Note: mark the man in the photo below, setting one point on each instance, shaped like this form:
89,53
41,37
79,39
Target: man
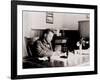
42,49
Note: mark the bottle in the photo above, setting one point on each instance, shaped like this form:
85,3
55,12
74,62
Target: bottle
80,48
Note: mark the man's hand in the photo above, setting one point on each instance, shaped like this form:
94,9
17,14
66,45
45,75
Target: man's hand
56,53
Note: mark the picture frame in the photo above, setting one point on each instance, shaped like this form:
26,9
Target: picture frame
17,10
49,17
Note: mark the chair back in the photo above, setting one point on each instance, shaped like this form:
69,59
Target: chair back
28,42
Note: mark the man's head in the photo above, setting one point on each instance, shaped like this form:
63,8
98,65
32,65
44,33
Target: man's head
48,35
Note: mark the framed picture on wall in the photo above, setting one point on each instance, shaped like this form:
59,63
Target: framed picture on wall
49,17
65,47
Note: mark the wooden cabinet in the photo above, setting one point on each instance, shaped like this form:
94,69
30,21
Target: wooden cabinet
67,40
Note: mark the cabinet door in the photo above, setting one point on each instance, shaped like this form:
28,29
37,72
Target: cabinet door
84,28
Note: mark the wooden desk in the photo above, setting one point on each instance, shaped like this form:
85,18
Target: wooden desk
56,61
72,60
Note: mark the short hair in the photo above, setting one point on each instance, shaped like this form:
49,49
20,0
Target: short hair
46,31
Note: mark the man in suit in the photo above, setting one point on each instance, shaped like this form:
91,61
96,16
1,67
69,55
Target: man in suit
42,49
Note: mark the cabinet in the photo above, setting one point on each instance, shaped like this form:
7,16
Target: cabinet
67,40
84,29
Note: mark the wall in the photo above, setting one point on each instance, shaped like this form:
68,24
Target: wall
71,20
37,20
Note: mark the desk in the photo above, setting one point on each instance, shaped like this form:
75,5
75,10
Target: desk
56,61
72,60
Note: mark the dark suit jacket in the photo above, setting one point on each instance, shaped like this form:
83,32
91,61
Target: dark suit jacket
41,49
